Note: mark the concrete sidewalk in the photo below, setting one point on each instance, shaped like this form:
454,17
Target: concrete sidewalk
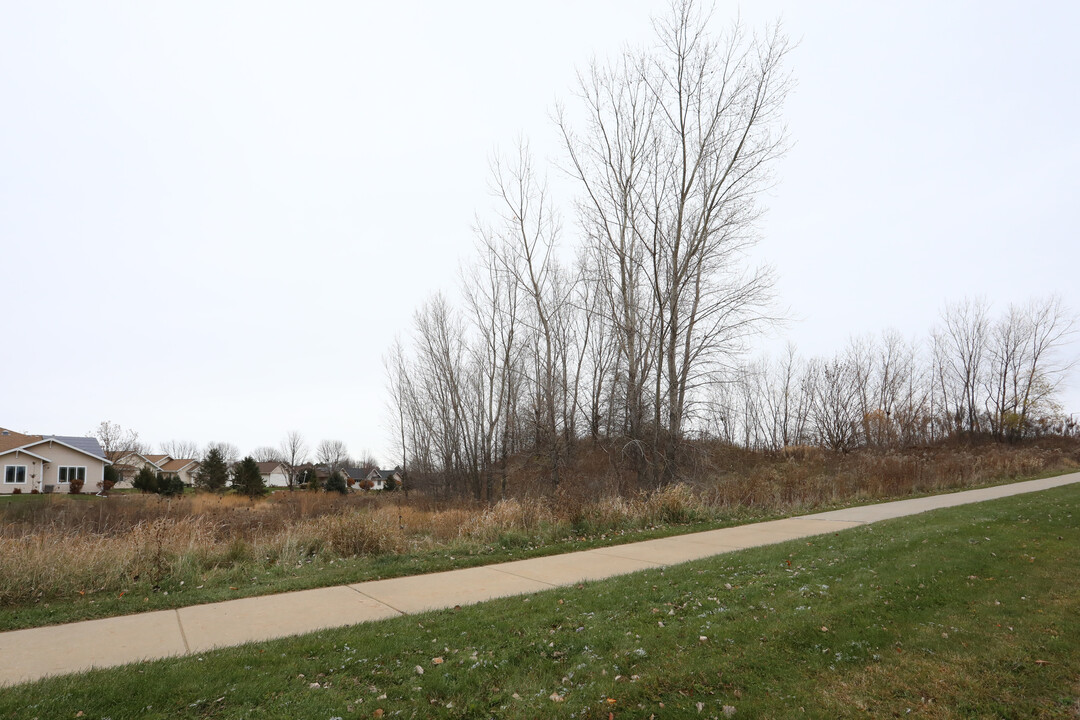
35,653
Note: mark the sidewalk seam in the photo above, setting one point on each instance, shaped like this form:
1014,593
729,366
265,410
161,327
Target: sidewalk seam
607,551
523,577
375,599
819,518
183,635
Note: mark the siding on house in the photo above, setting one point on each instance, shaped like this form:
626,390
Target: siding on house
44,474
273,474
184,468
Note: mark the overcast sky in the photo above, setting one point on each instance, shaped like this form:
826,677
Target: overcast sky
215,217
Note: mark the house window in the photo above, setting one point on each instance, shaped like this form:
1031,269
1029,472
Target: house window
66,474
15,474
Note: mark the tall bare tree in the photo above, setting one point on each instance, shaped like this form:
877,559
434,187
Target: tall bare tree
1023,370
524,245
293,453
117,442
493,296
959,356
678,145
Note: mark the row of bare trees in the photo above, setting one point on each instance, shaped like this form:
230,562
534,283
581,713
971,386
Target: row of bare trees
620,334
633,333
974,375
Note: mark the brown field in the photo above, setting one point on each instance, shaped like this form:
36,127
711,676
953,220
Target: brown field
58,547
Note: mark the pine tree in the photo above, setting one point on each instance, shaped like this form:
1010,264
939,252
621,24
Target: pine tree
213,473
146,480
247,479
336,483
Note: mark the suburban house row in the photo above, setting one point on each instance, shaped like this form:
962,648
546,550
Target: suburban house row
129,464
364,478
48,463
274,474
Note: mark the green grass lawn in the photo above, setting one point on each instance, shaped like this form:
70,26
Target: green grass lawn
966,612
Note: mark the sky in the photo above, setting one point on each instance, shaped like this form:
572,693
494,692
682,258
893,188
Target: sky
216,217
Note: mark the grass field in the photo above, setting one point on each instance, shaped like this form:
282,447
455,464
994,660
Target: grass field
70,558
188,556
966,612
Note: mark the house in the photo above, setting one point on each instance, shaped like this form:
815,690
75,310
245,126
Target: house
372,478
158,460
391,476
363,477
48,463
129,463
183,468
274,474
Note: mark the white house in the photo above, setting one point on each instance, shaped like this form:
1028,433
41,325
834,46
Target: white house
274,474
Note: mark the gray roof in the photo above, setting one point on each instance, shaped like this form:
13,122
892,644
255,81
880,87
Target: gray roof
86,444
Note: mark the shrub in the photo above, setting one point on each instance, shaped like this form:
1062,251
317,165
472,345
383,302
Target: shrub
76,485
112,476
360,534
17,491
171,486
676,504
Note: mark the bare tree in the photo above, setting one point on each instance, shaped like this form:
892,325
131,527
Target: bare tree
395,365
229,452
959,353
1051,325
1024,372
117,442
524,246
181,449
445,389
493,297
333,454
678,146
367,460
902,391
266,453
293,453
834,410
781,403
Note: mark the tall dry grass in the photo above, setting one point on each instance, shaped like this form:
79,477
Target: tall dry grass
56,546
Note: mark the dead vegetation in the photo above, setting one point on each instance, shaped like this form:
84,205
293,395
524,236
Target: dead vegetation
55,546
